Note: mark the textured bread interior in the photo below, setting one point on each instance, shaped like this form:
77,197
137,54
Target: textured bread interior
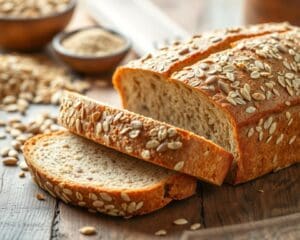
77,160
154,96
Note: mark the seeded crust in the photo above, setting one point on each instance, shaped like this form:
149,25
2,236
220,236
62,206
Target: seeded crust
254,85
180,54
96,198
145,138
262,95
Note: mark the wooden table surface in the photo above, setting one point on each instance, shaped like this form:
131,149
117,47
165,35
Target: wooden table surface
267,208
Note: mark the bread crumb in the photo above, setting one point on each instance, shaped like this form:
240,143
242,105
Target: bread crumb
22,174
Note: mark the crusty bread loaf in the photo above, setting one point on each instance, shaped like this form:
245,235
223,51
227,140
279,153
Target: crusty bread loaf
145,138
245,98
89,175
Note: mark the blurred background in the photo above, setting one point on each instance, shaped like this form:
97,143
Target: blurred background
145,19
201,15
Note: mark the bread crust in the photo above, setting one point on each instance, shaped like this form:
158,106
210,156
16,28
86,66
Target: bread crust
263,108
105,200
181,54
152,141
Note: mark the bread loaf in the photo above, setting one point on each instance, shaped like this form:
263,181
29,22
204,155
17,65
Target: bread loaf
89,175
145,138
240,89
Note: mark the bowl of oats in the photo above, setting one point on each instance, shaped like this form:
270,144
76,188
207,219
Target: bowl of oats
91,50
28,25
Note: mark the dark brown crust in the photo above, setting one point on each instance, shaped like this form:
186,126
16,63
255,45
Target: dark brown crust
255,158
153,198
199,157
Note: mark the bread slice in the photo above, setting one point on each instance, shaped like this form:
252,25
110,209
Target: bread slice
145,138
245,98
86,174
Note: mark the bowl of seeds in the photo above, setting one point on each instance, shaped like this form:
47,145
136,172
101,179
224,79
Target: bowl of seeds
91,50
28,25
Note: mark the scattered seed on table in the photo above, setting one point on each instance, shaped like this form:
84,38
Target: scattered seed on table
161,232
88,230
10,161
40,197
23,166
180,221
13,153
4,151
2,135
195,226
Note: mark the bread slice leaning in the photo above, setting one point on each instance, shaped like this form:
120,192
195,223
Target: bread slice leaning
89,175
145,138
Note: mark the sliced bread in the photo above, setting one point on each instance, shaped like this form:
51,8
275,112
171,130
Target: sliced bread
245,98
89,175
145,138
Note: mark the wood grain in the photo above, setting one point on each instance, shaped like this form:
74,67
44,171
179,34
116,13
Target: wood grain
273,195
22,216
143,227
280,228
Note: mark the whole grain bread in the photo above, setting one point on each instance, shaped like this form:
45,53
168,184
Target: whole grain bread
145,138
86,174
245,98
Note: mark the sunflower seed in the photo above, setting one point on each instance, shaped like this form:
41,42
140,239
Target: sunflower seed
162,147
255,75
250,109
2,135
250,132
136,124
180,221
40,197
195,226
292,139
125,197
279,139
22,174
174,145
161,232
88,230
134,133
152,144
145,154
178,166
10,161
268,122
272,128
258,96
23,166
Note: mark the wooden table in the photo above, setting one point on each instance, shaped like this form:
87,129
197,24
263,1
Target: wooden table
267,208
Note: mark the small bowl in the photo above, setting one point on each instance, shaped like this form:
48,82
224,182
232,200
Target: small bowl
91,65
31,34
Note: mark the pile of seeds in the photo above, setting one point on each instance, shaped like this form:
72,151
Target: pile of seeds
25,80
19,132
31,8
93,42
